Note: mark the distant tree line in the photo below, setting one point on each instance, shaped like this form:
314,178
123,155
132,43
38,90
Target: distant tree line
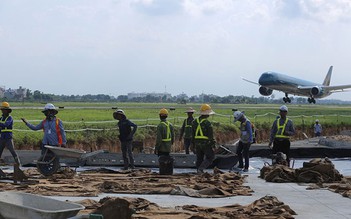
38,96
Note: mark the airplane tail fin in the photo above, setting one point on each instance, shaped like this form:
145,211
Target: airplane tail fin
327,78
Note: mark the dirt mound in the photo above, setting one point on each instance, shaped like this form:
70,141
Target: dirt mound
138,181
346,138
320,172
126,208
315,171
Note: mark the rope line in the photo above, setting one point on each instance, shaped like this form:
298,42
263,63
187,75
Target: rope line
178,119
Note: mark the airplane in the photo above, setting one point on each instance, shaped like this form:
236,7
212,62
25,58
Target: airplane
270,81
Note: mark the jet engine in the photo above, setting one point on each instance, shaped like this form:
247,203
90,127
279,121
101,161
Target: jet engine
265,91
315,91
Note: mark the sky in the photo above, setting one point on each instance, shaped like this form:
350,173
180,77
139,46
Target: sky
116,47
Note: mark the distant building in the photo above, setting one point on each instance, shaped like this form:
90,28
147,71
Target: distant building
19,93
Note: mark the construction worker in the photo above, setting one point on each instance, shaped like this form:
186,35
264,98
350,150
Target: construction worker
54,133
317,127
6,124
127,130
246,139
203,139
281,131
186,129
165,135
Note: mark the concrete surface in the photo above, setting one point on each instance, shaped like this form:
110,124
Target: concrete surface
311,204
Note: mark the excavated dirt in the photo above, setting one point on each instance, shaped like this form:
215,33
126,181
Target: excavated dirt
320,172
139,181
340,138
143,181
267,207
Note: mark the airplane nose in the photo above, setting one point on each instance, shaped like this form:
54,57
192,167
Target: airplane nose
265,79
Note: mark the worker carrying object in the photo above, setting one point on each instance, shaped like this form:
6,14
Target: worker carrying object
6,125
203,139
54,133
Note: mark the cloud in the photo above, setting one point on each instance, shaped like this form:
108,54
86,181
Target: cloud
324,11
157,7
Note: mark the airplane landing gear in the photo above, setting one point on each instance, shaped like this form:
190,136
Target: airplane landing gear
311,100
286,99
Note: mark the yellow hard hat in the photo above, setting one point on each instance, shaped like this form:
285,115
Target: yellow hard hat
5,105
163,112
206,110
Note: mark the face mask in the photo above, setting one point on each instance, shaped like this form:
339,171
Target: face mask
49,115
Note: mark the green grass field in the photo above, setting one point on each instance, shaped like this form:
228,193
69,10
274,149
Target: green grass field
93,124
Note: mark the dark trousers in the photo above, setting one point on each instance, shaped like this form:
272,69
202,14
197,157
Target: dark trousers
127,153
161,153
8,143
187,143
201,153
282,145
243,152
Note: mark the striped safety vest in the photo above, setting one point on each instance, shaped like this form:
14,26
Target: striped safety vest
7,129
281,129
168,133
198,133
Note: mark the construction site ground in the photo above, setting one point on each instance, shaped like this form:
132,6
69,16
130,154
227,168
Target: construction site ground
306,202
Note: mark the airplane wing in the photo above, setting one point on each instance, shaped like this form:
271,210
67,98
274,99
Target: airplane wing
307,87
330,89
252,82
338,88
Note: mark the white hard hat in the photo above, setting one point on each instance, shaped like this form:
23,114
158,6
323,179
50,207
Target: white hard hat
121,112
238,115
317,120
283,108
49,106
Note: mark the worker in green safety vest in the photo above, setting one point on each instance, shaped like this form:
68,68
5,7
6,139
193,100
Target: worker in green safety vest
165,135
203,139
186,130
281,131
6,125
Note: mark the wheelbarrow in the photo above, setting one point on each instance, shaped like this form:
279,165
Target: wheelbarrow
49,162
14,205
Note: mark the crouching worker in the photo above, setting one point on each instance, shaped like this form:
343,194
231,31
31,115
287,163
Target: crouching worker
245,141
6,124
164,142
203,139
54,133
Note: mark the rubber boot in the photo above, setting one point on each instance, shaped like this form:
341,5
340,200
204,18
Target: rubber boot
204,165
17,161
